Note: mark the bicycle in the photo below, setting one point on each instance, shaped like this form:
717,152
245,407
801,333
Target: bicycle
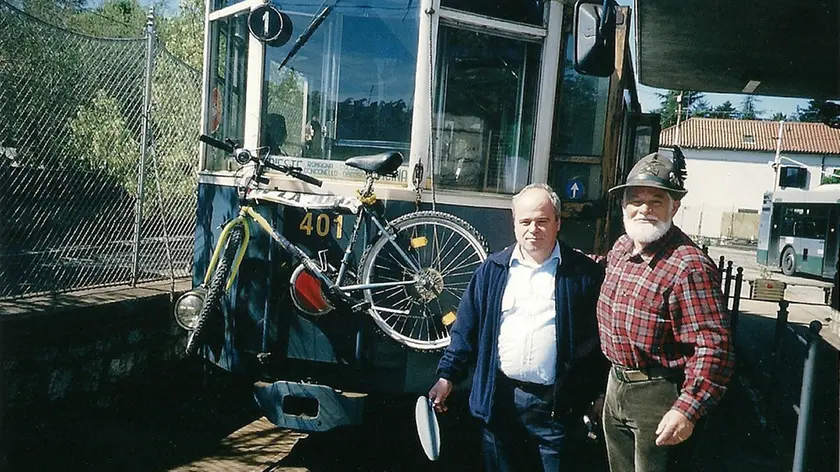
411,275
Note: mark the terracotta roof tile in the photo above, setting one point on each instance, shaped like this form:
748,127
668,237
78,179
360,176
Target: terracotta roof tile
715,133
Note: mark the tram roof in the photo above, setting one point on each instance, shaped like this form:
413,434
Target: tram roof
828,193
791,47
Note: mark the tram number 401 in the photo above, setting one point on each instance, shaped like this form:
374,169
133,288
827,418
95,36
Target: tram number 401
321,224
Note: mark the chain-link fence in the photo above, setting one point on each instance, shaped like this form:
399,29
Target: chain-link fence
85,200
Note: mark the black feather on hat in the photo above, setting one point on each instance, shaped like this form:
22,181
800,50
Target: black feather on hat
678,173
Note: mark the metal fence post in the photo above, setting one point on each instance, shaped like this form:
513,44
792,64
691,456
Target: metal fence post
144,143
781,326
736,302
728,283
721,262
806,399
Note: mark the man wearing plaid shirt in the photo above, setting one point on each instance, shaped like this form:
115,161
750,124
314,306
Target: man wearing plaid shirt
663,324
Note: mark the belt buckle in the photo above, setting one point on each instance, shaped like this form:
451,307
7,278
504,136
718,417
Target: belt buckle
635,375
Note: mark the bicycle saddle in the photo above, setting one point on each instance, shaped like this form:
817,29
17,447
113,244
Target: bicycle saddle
383,164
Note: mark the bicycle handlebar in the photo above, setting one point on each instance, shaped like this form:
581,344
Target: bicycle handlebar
228,148
243,156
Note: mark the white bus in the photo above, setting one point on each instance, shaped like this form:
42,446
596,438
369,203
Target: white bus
798,230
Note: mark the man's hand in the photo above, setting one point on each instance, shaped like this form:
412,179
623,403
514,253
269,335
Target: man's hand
673,429
438,394
596,409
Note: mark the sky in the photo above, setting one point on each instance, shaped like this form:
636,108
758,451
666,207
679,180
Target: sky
766,105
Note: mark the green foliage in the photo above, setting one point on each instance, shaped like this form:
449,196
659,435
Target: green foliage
183,35
812,113
778,116
114,19
100,138
748,108
831,179
176,98
691,102
725,110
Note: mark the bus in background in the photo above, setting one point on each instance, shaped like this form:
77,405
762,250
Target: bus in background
798,230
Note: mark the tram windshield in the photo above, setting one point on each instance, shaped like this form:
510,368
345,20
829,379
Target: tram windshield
348,91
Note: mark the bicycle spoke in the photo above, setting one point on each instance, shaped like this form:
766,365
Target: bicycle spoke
456,295
391,311
406,270
466,273
457,258
445,244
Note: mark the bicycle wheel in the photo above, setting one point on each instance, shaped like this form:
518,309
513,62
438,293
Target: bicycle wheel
215,289
447,250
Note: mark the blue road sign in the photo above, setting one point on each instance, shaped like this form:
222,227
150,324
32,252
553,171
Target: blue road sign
575,189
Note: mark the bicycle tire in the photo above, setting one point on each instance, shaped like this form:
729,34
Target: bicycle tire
215,289
416,315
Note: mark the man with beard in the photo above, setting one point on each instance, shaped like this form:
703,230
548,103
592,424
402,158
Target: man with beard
527,323
663,324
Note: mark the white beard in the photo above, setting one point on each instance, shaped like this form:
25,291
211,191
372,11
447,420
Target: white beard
646,232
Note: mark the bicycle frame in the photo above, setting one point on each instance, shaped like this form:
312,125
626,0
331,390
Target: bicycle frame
247,212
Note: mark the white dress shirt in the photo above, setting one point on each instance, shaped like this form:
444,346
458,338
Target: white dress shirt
527,332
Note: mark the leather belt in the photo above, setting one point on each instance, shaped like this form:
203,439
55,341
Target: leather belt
525,386
626,374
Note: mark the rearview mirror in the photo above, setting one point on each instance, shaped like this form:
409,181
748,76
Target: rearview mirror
594,36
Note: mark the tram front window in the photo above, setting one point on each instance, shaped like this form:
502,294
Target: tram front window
485,107
349,89
228,75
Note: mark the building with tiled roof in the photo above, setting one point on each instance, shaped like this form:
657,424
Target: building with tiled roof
754,135
731,165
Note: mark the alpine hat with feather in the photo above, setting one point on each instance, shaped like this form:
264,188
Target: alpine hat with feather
659,171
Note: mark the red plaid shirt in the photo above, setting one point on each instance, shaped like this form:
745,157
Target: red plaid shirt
664,308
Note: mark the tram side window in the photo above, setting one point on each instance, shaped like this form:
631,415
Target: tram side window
577,142
219,4
484,107
528,11
349,89
580,115
228,73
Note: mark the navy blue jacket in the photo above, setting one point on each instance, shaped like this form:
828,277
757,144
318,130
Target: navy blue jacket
581,367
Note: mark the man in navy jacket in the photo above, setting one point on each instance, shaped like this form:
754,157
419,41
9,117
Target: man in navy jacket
527,322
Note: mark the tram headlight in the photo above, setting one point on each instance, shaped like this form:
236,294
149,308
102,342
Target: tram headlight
188,307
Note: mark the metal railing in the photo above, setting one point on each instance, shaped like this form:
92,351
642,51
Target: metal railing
791,378
98,159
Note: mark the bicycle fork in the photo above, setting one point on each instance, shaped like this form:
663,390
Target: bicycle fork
220,248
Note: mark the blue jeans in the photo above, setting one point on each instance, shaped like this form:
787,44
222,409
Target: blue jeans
521,434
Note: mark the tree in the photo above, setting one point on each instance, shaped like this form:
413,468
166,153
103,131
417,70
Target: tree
690,103
725,110
778,116
114,19
101,138
812,113
748,108
183,35
834,178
